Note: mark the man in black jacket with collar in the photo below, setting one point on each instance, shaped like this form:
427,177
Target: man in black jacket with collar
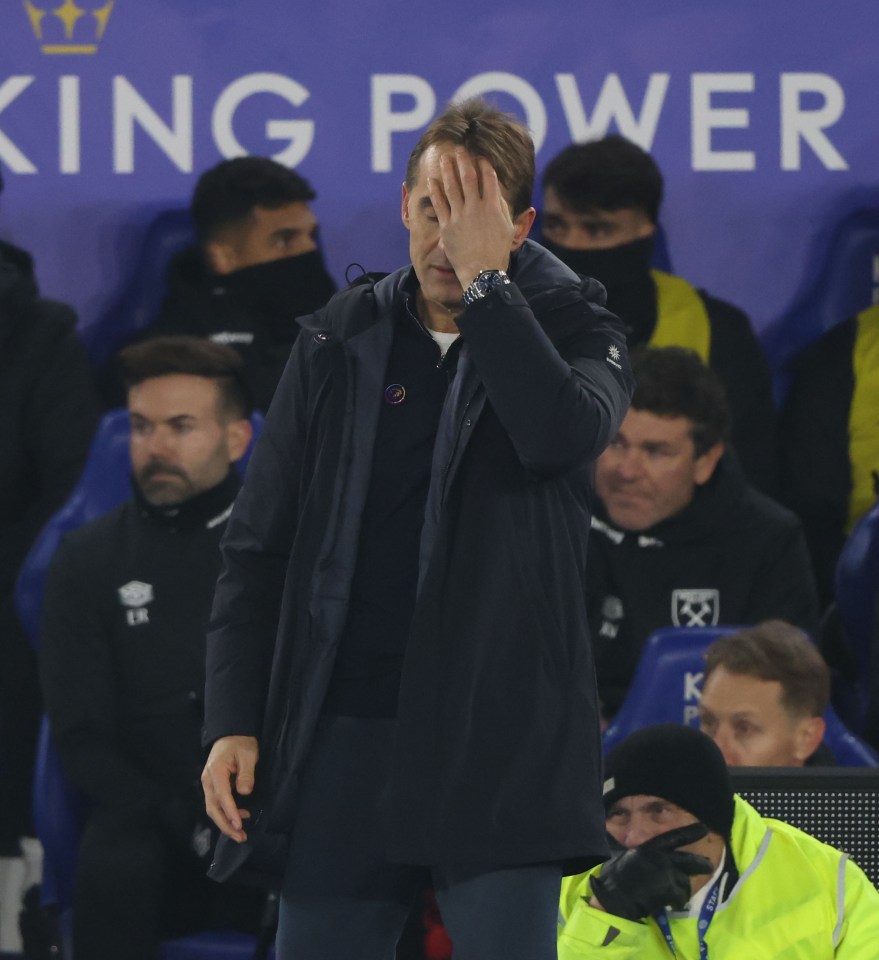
399,632
679,537
122,654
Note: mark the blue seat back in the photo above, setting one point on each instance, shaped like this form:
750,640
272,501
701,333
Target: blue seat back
856,586
137,304
667,687
841,283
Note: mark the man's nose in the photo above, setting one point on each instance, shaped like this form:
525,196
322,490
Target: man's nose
630,464
727,746
159,442
639,832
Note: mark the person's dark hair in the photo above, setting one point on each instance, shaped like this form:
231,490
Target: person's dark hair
484,131
608,174
776,650
228,193
674,382
194,356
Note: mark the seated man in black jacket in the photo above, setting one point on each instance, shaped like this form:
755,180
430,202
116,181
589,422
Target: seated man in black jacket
764,695
679,537
122,655
601,203
255,268
50,409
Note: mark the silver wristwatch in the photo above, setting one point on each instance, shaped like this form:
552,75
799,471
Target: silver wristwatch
483,284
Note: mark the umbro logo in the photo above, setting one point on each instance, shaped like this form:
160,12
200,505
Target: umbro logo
135,595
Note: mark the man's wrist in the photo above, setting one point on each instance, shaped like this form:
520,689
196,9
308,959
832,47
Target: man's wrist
484,284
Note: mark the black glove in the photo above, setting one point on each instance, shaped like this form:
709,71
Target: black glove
638,882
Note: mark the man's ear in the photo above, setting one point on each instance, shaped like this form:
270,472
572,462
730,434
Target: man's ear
809,734
522,224
238,436
404,206
707,462
220,257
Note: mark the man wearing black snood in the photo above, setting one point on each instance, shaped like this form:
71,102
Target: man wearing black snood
601,205
256,266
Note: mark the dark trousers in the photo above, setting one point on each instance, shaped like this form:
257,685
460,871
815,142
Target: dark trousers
20,707
342,899
135,886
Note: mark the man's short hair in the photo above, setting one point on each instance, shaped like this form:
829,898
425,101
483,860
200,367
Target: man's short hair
484,131
776,650
229,192
608,174
674,382
193,356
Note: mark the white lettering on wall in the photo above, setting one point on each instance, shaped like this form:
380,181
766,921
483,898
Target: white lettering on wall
809,105
705,117
130,108
9,152
386,121
611,105
798,125
298,135
69,137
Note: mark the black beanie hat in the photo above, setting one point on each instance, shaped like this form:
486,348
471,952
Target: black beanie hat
677,763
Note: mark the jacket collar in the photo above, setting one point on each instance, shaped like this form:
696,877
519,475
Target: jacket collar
208,509
711,507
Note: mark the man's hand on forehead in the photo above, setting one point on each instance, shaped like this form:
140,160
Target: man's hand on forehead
475,224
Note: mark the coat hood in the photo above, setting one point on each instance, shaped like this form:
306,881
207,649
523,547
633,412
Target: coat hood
18,285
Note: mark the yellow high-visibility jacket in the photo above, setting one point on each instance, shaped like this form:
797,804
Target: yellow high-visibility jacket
796,899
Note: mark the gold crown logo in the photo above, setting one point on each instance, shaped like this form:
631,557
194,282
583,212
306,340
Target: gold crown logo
60,30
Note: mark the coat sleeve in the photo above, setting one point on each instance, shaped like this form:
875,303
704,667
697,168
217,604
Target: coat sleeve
560,405
740,361
255,552
783,585
584,932
61,414
79,687
858,932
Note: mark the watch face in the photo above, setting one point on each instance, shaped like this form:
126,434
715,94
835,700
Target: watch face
484,283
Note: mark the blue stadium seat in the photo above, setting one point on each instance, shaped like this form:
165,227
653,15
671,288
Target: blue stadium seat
841,283
856,588
137,305
668,683
103,485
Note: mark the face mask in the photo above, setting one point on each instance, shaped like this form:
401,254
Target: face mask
613,266
284,289
625,273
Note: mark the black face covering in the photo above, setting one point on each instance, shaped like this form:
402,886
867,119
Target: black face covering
281,290
625,272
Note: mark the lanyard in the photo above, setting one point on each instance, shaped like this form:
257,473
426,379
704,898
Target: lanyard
706,914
